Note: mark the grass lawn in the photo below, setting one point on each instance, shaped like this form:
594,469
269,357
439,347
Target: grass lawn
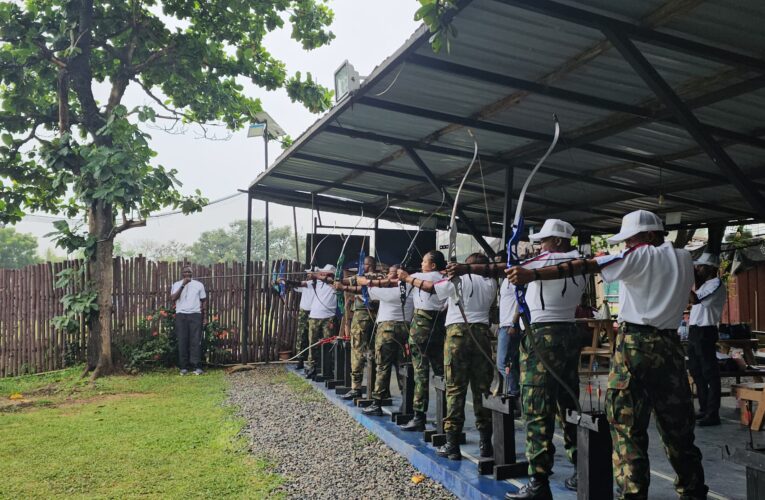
157,435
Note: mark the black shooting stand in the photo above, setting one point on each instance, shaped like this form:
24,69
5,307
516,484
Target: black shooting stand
593,450
504,464
438,438
370,373
325,364
406,410
754,460
338,357
346,383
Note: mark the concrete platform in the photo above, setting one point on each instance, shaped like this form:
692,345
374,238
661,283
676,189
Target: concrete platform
725,479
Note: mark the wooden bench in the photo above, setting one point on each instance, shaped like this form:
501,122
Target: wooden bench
747,394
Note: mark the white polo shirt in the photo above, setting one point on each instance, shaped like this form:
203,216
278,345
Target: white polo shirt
390,303
655,283
425,300
478,294
558,306
508,304
190,300
712,297
324,300
306,297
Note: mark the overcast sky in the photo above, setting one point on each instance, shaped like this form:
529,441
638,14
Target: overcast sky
366,33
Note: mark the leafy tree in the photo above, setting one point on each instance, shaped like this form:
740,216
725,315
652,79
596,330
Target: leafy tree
170,251
227,245
67,149
17,249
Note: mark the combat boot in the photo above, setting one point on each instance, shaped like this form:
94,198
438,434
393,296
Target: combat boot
485,448
373,410
352,394
451,449
310,372
572,483
711,418
416,424
538,488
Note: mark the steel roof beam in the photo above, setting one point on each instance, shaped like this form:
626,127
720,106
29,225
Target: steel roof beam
364,190
438,187
628,188
606,23
527,134
570,96
684,115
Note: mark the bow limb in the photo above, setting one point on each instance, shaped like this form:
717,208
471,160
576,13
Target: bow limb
340,311
457,281
514,259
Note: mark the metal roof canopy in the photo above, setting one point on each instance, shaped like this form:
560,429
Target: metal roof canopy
661,105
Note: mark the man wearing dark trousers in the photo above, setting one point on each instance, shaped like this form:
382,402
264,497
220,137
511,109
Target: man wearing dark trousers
708,300
190,316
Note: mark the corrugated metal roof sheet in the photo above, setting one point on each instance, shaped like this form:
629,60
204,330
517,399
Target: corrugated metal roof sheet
361,149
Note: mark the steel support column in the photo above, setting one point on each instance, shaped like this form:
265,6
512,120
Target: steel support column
247,282
664,92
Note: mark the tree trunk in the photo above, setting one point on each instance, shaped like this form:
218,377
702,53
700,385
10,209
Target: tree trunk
102,274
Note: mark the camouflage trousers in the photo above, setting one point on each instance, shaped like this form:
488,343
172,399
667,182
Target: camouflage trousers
648,372
426,342
465,364
362,326
301,337
543,397
319,329
389,349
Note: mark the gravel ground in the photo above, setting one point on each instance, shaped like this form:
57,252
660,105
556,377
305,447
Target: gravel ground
319,448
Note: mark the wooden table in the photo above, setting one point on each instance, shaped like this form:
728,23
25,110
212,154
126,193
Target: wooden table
595,350
748,346
746,393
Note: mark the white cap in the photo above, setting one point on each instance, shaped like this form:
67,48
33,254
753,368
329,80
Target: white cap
637,222
329,268
707,259
553,227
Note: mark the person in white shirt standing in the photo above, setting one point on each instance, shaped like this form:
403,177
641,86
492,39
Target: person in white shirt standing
552,310
321,318
708,301
390,335
467,355
426,336
304,309
648,366
190,317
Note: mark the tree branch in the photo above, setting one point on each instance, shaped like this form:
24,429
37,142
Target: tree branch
49,55
128,224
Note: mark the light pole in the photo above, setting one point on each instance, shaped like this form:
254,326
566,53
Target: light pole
265,126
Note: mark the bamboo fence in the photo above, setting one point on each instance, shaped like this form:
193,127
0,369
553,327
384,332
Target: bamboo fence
29,300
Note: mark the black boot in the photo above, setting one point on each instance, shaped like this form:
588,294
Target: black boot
373,410
485,448
310,371
417,424
300,365
711,418
451,449
538,488
701,414
572,482
352,394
